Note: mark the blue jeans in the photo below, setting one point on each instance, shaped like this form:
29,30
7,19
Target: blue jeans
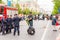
30,23
3,29
16,29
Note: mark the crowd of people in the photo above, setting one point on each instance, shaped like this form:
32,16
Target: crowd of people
13,23
56,22
9,23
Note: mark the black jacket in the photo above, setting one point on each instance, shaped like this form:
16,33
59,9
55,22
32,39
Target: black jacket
9,21
16,21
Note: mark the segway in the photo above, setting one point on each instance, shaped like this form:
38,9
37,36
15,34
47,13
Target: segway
31,31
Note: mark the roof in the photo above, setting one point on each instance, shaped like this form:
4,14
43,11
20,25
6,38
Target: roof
8,7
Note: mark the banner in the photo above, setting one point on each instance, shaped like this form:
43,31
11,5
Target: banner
9,3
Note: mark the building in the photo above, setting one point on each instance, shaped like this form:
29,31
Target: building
31,4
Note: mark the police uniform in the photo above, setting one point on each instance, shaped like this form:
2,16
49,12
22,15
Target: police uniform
16,21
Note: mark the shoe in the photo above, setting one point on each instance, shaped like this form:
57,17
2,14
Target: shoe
14,35
18,34
54,30
3,34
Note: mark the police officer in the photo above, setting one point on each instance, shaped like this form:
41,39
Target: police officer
16,21
3,25
9,22
30,19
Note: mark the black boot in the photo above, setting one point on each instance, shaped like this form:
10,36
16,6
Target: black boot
18,33
14,33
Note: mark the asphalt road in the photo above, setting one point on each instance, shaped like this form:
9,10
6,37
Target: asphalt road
44,31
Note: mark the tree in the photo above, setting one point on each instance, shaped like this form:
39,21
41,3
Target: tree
56,6
19,8
35,12
26,11
0,1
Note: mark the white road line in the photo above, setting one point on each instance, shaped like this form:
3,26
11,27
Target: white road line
45,31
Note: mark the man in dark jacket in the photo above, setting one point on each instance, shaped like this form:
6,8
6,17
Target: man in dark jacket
9,22
51,17
54,23
3,25
43,17
30,19
16,21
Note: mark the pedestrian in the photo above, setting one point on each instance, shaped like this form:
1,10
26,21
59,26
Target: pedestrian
47,16
9,23
16,21
30,19
43,17
51,17
30,30
38,16
3,21
54,23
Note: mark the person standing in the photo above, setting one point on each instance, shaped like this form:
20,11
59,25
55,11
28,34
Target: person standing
3,21
51,17
30,19
9,23
54,23
38,16
16,21
43,17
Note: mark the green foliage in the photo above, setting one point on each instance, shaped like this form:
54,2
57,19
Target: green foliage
0,1
35,12
26,11
56,7
19,9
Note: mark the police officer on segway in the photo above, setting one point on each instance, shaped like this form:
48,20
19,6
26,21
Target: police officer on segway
31,30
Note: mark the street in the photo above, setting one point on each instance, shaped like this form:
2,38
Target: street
44,31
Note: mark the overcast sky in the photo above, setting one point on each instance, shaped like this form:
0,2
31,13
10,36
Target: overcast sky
46,4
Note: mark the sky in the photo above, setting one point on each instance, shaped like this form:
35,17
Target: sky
47,5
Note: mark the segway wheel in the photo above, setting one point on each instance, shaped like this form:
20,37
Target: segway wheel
31,31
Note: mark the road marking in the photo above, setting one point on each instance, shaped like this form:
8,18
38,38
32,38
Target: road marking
45,31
